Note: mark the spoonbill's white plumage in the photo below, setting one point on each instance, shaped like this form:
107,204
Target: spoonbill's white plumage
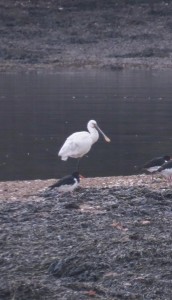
79,143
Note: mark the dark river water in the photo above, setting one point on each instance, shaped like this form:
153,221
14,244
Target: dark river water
134,108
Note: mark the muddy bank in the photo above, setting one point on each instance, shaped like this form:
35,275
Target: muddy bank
110,240
55,35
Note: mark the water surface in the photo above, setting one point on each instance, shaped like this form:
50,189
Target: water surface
38,111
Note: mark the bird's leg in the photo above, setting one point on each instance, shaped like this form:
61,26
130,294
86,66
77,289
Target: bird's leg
78,163
152,176
170,181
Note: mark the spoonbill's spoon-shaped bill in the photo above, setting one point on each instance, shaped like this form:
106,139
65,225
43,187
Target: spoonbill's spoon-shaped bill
104,135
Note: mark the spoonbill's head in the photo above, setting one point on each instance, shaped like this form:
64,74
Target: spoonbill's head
93,124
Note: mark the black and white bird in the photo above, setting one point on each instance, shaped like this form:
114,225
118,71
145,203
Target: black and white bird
154,164
79,143
166,170
66,184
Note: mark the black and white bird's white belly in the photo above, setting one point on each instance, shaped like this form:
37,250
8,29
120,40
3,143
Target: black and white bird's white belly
153,169
166,170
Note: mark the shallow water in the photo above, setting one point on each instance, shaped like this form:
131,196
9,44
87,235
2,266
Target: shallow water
38,111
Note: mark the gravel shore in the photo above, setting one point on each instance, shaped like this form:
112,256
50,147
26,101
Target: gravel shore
111,239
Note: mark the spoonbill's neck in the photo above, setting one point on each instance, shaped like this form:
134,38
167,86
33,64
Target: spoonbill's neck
94,133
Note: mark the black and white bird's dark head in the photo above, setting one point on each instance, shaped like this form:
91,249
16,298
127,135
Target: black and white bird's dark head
154,164
66,184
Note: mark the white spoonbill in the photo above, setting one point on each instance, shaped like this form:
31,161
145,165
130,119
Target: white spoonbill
79,143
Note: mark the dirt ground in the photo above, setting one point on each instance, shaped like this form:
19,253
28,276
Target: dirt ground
53,35
111,239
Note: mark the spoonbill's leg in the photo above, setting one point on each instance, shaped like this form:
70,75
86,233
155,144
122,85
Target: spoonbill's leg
78,164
